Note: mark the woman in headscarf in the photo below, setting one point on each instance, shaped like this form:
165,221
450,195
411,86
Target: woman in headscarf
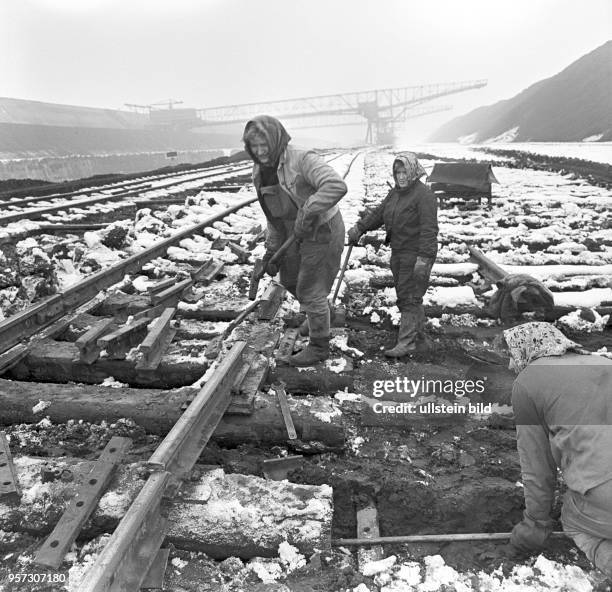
562,401
298,192
410,215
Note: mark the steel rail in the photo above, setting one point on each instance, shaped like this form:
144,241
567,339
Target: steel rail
28,322
144,184
129,554
54,189
34,318
127,557
37,213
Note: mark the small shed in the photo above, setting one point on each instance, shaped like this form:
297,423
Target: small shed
463,179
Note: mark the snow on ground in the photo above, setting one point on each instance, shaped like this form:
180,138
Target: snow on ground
451,297
595,151
541,224
434,575
588,298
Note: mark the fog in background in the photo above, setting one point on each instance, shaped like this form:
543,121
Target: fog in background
207,53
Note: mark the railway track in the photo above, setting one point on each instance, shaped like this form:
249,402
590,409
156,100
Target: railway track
236,381
139,195
173,460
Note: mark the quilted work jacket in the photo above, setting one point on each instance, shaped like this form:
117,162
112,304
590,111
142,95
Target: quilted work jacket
310,183
410,217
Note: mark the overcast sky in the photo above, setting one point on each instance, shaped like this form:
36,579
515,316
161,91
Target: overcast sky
105,53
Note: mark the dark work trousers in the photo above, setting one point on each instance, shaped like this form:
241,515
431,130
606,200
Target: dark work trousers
588,520
409,290
310,266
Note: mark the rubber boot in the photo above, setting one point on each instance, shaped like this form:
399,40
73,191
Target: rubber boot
305,329
406,337
317,349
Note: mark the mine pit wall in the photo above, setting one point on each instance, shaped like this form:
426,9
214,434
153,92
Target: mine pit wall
68,168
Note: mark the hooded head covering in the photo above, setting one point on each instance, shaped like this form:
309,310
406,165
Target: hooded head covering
272,130
531,341
413,167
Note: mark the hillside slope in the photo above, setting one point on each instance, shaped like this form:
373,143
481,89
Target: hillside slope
573,105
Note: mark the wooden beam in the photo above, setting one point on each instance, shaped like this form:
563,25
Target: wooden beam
54,361
158,410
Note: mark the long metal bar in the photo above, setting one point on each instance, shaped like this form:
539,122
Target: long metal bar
183,445
430,538
286,412
32,319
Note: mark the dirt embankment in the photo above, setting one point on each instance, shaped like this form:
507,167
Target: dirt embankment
596,173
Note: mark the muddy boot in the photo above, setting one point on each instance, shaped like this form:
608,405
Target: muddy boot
317,349
305,329
406,336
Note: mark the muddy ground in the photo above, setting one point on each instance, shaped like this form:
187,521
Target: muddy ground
435,475
427,475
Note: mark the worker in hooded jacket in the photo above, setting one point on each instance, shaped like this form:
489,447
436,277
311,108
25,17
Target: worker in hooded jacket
410,216
299,192
562,402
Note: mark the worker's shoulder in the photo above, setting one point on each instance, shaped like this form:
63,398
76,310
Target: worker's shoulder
295,153
566,371
571,360
423,191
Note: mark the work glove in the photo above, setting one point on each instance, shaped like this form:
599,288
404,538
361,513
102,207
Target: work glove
530,535
270,268
303,226
422,267
354,234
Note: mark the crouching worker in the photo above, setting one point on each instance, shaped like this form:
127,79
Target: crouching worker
410,215
562,400
298,192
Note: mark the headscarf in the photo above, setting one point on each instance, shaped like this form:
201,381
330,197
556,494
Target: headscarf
413,167
272,130
531,341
